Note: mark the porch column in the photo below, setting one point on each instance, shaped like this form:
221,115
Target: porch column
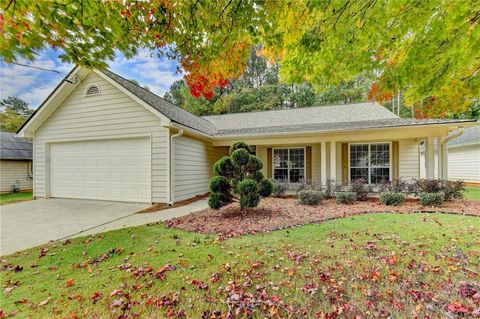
430,156
323,163
439,159
445,161
333,160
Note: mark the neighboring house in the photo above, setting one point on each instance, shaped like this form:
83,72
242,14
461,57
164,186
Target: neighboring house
464,156
100,136
15,163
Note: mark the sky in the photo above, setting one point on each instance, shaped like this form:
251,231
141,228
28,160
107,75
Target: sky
33,86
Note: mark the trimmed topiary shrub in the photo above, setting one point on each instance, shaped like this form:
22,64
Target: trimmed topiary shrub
346,197
432,199
309,197
239,174
265,187
392,198
361,188
279,189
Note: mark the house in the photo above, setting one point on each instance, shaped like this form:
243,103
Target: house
464,156
15,163
100,136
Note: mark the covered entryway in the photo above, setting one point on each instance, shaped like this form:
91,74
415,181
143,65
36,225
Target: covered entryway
114,169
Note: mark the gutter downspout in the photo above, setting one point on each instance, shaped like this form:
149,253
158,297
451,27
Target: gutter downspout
443,156
172,163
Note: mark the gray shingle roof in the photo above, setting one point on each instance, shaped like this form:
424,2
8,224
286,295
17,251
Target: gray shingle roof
14,148
310,119
173,112
471,135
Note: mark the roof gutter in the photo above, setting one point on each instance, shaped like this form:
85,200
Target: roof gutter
171,199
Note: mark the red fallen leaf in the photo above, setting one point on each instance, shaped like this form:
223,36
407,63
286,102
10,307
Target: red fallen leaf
70,283
52,268
95,297
160,274
66,242
392,260
73,316
310,288
457,307
7,315
199,284
215,277
43,252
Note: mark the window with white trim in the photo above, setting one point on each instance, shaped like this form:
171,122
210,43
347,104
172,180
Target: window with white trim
289,164
370,162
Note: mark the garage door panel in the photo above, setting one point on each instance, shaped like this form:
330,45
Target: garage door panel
104,169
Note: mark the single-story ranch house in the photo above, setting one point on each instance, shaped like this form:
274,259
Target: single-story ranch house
100,136
15,163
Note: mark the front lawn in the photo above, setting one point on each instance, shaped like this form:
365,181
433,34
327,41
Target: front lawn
472,193
15,197
374,265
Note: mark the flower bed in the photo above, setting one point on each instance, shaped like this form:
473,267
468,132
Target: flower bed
279,213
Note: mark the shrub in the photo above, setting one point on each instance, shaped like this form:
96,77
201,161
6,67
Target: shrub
361,188
432,199
239,145
346,197
265,188
240,157
279,189
451,189
309,197
249,200
330,188
238,173
254,164
306,184
394,186
217,200
219,184
392,198
223,167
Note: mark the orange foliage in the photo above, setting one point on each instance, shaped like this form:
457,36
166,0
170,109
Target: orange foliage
377,94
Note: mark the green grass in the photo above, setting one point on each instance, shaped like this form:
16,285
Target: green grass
15,197
379,265
472,193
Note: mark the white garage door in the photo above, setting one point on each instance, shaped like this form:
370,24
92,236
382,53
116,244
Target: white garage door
117,170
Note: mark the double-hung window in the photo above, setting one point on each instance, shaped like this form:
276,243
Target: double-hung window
289,164
370,162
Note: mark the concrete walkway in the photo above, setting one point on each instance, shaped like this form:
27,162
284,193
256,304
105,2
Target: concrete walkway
29,224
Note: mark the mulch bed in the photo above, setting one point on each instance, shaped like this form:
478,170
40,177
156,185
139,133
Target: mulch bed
280,213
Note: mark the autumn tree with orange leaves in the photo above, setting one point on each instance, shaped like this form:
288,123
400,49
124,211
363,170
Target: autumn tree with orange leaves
427,49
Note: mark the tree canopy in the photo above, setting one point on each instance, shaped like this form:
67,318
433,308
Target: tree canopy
427,50
13,113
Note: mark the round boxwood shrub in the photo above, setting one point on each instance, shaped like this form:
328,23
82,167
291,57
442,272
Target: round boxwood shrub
392,198
432,199
309,197
346,197
218,184
223,167
239,145
247,186
249,200
265,188
217,200
256,176
240,157
254,164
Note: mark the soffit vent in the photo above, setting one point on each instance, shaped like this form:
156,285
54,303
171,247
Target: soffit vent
92,89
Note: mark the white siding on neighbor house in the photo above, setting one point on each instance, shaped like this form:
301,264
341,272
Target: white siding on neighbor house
464,163
110,114
13,171
409,159
193,166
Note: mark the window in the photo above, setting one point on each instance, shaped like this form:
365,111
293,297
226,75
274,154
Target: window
289,165
92,89
370,162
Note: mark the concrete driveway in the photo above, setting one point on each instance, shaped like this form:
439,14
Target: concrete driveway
32,223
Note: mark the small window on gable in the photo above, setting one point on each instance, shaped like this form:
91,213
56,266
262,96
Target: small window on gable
92,89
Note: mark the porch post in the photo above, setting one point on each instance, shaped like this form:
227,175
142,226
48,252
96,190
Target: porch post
323,163
440,159
445,161
333,160
430,157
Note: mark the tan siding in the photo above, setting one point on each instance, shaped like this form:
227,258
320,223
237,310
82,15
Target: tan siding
262,154
193,166
409,159
112,113
464,163
13,171
338,158
316,169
